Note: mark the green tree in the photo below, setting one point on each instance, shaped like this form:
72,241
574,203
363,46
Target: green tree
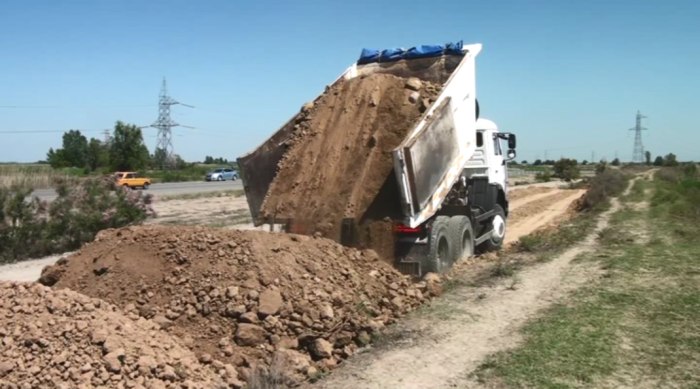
647,157
160,158
524,162
72,154
659,161
584,162
55,158
97,155
615,162
538,162
75,148
566,169
671,160
208,160
126,149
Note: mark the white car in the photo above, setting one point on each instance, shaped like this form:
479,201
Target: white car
222,174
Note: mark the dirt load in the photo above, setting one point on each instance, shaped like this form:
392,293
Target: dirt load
247,298
339,158
62,339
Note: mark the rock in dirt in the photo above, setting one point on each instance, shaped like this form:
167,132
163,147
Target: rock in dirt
250,335
270,302
321,348
62,339
413,83
316,289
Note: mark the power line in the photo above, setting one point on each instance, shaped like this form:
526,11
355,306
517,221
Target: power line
75,106
46,131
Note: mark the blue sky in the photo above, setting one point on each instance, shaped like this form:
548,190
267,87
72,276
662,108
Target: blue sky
566,76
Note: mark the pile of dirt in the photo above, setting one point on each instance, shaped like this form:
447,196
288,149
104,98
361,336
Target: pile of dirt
62,339
247,298
339,157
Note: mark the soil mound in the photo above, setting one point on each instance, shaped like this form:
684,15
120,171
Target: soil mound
62,339
339,157
248,298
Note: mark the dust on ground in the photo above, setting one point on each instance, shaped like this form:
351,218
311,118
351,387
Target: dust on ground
224,211
540,212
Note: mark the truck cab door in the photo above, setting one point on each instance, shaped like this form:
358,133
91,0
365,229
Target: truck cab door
498,171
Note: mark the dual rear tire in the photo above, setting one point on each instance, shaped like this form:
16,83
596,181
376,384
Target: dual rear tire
451,239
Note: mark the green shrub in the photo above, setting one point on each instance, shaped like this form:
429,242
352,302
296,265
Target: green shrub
543,176
31,227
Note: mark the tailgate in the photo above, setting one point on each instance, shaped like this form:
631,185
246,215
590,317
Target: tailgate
429,161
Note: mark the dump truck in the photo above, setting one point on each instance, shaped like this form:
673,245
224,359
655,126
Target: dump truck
451,168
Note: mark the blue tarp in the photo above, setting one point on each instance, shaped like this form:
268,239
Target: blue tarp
454,48
424,51
368,55
389,55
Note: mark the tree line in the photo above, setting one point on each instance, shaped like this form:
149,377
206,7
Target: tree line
125,151
667,160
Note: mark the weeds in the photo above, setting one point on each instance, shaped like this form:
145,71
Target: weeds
272,377
632,328
504,267
609,183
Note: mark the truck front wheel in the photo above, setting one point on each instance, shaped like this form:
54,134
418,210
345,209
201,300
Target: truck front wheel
498,226
462,236
441,252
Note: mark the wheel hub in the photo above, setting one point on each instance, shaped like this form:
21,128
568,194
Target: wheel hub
499,227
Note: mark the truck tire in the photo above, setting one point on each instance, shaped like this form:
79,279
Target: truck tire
499,223
146,185
462,236
441,246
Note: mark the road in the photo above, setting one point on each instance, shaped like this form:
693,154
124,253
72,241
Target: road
170,189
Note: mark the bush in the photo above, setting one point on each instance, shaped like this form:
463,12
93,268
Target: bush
543,176
32,228
567,169
609,183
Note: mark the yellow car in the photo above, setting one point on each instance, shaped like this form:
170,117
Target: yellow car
132,180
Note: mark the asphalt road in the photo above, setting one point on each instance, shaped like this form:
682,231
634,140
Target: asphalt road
170,189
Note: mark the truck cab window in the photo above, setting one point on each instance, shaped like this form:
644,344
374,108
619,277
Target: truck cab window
479,139
496,146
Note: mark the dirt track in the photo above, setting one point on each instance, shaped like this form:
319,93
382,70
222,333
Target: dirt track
481,321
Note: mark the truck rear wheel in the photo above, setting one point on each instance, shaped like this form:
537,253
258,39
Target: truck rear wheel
441,251
462,236
498,226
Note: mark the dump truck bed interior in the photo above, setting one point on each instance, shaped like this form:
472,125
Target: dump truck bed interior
421,177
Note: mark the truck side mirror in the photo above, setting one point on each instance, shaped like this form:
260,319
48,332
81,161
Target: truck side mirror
511,154
511,144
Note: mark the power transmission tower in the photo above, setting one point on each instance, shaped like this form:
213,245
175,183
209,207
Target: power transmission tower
638,153
107,135
164,124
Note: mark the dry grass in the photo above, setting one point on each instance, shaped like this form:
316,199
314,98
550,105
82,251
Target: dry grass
33,175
